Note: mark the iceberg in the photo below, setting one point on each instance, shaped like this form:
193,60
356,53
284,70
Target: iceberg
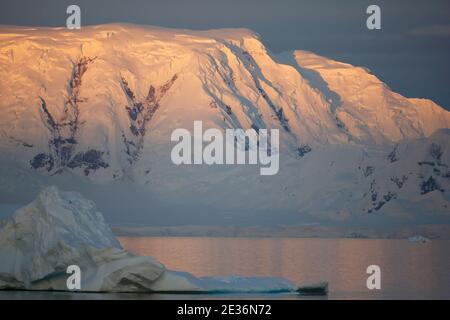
418,239
59,229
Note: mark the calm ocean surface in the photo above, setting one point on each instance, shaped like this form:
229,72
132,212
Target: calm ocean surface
408,271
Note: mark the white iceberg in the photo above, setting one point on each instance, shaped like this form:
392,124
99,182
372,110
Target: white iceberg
418,239
60,229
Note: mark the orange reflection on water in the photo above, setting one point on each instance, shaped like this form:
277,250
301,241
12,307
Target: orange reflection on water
408,269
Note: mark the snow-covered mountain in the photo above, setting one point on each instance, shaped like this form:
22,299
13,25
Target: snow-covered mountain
95,109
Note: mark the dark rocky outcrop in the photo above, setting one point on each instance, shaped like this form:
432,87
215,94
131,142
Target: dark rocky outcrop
62,145
140,114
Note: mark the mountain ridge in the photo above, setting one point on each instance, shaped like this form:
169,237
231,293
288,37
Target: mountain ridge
101,103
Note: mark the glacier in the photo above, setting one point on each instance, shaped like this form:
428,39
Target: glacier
59,229
93,111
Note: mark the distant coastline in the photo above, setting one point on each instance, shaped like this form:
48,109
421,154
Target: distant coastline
441,232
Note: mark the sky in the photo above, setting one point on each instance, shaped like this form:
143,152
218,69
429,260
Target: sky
410,53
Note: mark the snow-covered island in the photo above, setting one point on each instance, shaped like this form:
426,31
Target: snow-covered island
59,229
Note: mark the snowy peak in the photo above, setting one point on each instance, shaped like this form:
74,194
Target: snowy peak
365,106
80,100
100,104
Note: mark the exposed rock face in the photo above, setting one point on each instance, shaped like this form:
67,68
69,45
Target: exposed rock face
140,113
64,131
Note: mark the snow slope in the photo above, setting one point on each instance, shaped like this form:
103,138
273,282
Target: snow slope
97,107
366,108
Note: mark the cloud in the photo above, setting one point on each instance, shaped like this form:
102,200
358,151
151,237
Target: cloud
433,30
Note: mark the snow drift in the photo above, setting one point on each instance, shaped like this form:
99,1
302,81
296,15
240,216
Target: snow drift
60,229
